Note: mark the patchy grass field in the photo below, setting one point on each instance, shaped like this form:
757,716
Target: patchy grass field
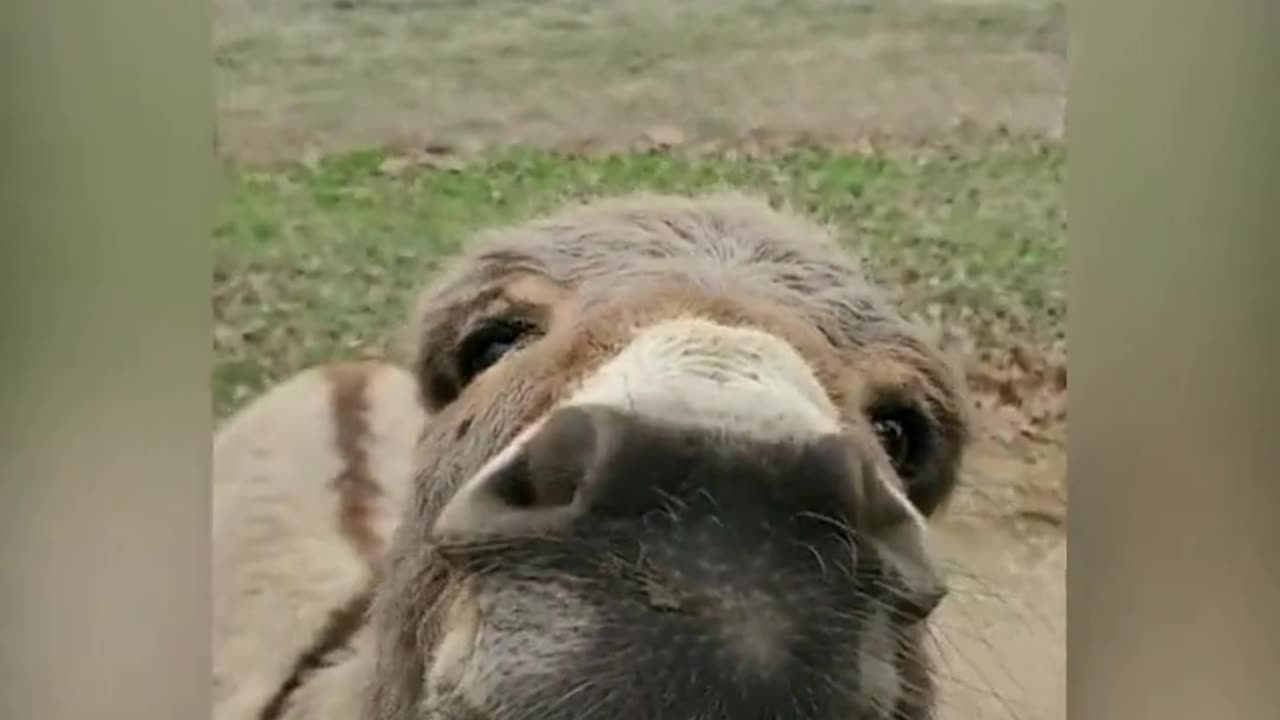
319,263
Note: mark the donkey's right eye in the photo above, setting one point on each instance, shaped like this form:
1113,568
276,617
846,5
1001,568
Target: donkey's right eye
488,344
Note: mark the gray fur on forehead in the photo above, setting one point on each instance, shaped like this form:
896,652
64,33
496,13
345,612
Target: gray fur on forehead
725,242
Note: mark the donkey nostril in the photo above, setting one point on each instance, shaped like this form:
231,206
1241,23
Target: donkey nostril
555,463
525,485
536,490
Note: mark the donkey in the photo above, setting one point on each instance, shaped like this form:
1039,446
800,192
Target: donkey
654,457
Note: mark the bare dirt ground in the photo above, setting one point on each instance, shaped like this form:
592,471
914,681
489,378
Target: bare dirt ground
343,73
306,76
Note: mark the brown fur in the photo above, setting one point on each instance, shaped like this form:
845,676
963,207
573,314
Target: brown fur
612,267
588,278
355,485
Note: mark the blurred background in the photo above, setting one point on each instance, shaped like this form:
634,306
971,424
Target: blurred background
364,140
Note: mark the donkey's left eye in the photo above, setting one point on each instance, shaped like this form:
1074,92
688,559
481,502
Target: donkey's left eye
488,344
894,439
904,435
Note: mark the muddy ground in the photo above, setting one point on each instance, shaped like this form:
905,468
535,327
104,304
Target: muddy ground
298,77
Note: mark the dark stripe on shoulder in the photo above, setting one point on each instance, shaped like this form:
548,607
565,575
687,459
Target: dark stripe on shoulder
337,633
357,489
358,495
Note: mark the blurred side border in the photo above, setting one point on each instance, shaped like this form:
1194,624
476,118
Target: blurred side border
107,173
1174,343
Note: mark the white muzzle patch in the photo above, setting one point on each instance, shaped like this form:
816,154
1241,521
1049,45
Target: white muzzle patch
698,373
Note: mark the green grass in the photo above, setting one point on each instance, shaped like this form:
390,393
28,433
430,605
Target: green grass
320,263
